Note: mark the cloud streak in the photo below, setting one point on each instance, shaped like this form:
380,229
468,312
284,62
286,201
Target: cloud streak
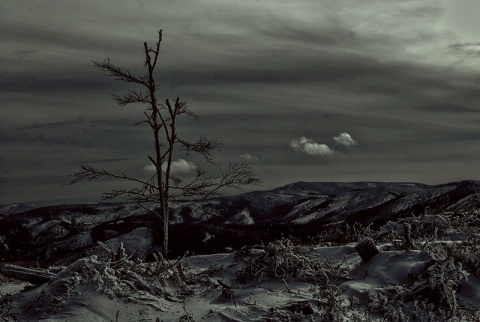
179,166
248,157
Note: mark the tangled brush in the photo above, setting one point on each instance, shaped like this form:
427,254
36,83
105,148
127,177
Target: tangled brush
282,259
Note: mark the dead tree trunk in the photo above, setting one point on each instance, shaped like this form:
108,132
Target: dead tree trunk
367,249
408,237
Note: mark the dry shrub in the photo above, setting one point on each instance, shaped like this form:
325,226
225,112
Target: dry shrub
341,234
282,259
121,276
451,235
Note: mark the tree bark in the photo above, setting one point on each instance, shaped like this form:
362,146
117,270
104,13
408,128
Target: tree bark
165,223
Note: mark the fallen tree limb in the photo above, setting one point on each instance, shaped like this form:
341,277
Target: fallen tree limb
33,275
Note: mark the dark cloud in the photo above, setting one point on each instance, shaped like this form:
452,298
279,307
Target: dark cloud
466,49
43,84
449,108
259,73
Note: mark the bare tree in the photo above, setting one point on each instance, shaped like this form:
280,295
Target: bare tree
163,187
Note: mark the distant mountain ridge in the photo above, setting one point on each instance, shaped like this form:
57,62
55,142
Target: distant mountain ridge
322,203
333,188
298,203
302,208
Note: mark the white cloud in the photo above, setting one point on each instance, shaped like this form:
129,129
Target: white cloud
178,166
149,168
310,147
345,139
182,166
248,157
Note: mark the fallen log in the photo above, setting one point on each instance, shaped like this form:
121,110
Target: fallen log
35,276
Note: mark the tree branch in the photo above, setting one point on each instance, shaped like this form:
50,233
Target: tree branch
235,175
89,173
205,186
132,97
203,146
198,187
120,73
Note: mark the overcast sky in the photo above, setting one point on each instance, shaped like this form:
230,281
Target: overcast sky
311,90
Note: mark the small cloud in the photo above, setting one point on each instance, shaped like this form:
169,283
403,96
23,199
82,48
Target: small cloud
248,157
182,166
345,139
149,168
310,147
178,166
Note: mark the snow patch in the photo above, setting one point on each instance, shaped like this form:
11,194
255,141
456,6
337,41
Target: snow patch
207,238
242,218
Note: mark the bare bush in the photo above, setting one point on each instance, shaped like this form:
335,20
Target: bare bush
282,259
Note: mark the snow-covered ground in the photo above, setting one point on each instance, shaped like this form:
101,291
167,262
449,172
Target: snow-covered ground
277,282
428,268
